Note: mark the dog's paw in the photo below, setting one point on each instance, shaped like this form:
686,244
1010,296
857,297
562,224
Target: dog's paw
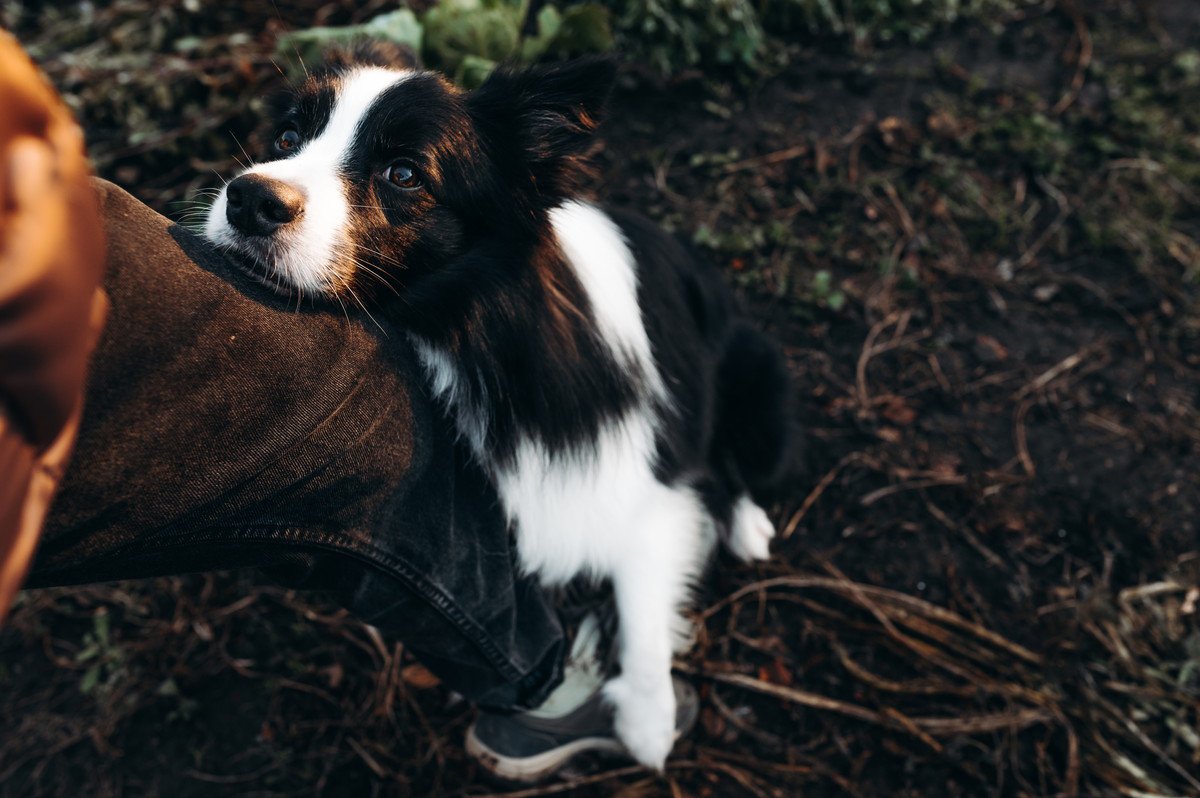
751,532
644,718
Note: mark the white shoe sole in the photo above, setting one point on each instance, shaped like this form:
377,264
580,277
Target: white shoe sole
538,766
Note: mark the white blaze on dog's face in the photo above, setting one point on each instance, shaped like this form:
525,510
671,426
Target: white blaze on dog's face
379,174
292,215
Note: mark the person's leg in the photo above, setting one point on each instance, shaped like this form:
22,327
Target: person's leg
223,427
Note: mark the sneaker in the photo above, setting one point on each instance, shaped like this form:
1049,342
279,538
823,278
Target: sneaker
574,719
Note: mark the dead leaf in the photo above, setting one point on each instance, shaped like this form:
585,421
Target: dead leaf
203,631
941,123
987,345
889,434
896,133
713,723
419,676
334,674
823,160
776,673
898,412
946,467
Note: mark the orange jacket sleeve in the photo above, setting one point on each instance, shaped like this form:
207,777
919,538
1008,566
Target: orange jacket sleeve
51,310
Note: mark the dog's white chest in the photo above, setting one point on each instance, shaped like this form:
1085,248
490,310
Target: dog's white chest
577,512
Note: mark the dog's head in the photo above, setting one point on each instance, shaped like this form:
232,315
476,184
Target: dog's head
378,170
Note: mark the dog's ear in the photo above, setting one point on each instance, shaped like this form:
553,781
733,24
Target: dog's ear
538,123
373,52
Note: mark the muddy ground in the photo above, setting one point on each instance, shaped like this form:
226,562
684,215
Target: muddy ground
982,254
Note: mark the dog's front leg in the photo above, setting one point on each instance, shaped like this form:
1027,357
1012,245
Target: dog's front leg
651,583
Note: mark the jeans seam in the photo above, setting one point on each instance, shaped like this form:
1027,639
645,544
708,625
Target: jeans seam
369,554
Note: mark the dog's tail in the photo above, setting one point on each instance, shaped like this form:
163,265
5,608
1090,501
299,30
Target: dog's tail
754,432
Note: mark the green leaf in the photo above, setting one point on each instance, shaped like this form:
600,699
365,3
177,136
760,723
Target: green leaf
400,27
473,71
90,679
465,38
549,20
704,237
548,23
309,46
100,625
454,31
822,282
585,28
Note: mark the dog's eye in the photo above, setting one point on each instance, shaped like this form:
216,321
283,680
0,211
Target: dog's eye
287,141
402,174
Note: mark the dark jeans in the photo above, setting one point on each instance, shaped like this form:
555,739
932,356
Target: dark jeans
223,427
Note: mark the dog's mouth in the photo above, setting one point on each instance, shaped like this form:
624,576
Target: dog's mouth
280,264
259,267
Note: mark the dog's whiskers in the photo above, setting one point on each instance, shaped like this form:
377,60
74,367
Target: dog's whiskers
350,291
376,273
249,160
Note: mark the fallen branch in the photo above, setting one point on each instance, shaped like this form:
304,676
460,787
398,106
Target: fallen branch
922,728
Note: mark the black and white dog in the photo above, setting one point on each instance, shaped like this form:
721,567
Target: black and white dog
601,375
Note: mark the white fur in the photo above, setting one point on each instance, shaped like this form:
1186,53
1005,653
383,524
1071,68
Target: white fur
306,256
445,383
751,532
596,250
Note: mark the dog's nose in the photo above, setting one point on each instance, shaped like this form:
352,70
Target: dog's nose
258,206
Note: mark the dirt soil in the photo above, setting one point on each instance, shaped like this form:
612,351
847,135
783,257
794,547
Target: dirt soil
982,255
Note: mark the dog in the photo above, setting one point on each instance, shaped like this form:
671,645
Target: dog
601,374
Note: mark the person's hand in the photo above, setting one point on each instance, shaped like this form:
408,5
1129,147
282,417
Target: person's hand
51,311
51,252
